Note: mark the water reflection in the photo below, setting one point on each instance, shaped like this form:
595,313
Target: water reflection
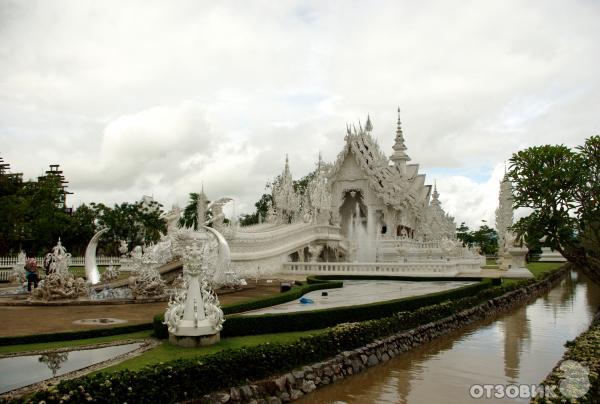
521,346
53,360
516,333
22,371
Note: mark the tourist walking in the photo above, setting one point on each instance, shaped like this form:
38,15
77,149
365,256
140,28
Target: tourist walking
31,272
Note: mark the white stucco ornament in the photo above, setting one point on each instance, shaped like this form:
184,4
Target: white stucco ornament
194,316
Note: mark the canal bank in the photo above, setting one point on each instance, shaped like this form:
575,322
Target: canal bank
300,382
516,346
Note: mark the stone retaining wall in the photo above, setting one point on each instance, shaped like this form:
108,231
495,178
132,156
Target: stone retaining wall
293,385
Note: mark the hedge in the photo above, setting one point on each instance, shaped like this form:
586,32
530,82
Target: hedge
310,320
186,379
73,335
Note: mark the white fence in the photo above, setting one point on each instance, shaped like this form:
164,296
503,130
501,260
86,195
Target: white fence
9,262
5,275
432,268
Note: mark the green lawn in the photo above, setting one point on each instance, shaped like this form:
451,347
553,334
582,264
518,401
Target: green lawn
166,352
538,268
73,343
79,272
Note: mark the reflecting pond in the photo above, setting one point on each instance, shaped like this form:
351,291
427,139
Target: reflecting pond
357,292
21,371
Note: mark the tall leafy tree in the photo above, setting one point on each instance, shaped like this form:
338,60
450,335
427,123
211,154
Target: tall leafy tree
133,222
463,233
82,228
486,238
561,186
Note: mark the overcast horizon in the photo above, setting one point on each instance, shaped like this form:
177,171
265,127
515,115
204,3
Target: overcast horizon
157,98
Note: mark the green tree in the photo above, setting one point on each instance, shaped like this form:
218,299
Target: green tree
46,219
486,238
133,222
463,233
82,229
560,185
262,207
189,218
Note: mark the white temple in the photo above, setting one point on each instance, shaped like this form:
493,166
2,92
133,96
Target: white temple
366,212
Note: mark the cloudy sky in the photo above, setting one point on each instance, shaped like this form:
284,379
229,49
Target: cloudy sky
156,98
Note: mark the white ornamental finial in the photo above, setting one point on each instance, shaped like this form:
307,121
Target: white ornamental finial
368,125
399,157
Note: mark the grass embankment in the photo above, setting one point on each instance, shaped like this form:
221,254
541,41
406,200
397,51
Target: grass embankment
73,343
166,352
538,269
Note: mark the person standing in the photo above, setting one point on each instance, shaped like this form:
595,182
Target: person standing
31,272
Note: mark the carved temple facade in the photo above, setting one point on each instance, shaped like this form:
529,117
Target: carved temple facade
387,195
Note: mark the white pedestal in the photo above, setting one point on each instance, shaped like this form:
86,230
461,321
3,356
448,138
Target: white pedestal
551,256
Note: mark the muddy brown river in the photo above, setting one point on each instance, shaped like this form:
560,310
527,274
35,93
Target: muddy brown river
520,347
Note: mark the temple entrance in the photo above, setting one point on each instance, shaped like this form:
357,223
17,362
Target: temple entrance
353,210
360,234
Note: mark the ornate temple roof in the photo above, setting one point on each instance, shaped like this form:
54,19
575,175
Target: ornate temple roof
397,186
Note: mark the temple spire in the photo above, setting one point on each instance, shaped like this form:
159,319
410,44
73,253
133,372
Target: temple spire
368,125
435,197
287,164
399,157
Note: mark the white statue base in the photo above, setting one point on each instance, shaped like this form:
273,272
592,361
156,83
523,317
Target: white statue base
551,256
513,258
188,341
518,255
187,328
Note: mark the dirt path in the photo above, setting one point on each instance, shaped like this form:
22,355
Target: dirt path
25,320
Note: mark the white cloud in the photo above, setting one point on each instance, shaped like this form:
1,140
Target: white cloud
154,98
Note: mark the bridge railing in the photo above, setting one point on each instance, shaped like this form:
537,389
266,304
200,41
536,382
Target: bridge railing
445,267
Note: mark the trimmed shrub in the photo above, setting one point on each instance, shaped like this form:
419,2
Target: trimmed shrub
73,335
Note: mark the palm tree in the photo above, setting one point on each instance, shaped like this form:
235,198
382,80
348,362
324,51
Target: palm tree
189,218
